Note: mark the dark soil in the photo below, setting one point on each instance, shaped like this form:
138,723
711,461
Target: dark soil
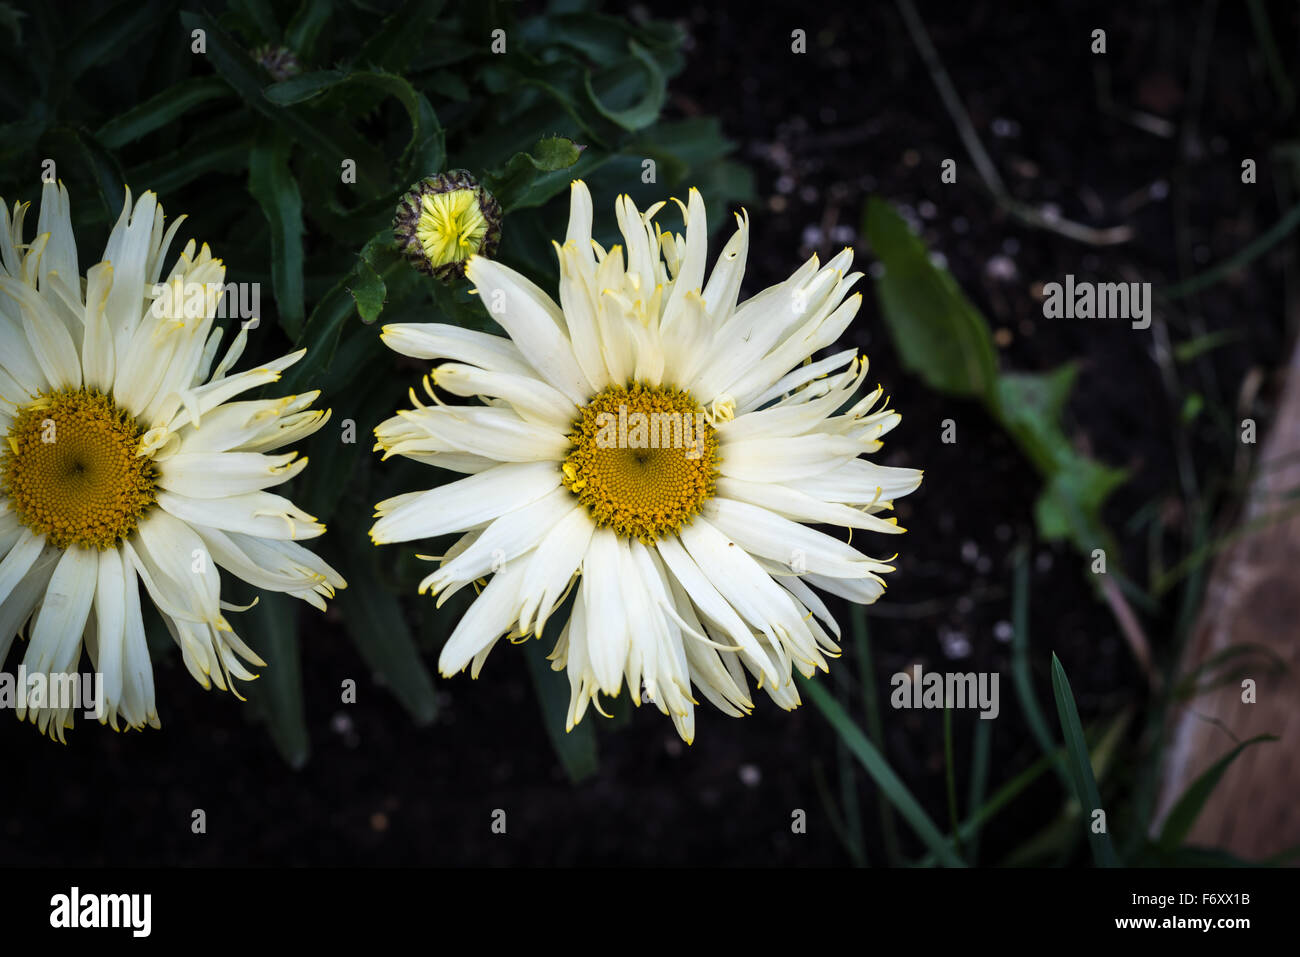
856,115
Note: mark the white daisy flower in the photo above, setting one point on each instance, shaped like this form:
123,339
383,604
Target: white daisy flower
656,448
127,461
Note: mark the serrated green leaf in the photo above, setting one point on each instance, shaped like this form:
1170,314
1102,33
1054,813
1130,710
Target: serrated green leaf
530,176
425,151
236,67
369,291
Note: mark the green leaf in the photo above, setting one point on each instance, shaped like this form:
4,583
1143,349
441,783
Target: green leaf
320,334
1239,260
576,749
305,86
160,110
1079,765
199,158
11,19
369,291
891,786
425,151
1188,808
272,184
303,32
940,336
277,693
101,165
378,628
237,68
647,110
517,183
399,37
1030,407
108,37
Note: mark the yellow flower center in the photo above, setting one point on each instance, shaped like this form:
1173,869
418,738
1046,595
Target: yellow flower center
72,473
451,226
644,460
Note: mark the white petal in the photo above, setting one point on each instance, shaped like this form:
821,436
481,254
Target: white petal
433,340
533,321
608,626
262,514
551,567
56,635
221,474
464,503
488,618
110,621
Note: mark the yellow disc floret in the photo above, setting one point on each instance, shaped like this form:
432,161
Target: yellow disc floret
451,226
72,471
644,460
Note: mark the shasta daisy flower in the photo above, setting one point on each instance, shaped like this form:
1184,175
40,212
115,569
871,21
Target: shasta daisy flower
126,461
655,448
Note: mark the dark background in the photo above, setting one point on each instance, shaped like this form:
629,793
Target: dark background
856,115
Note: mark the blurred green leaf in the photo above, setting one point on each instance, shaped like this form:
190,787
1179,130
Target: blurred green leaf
576,749
1183,816
272,632
945,340
11,19
940,336
378,628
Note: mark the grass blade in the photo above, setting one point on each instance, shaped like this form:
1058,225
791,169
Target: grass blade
1080,766
1188,808
889,783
